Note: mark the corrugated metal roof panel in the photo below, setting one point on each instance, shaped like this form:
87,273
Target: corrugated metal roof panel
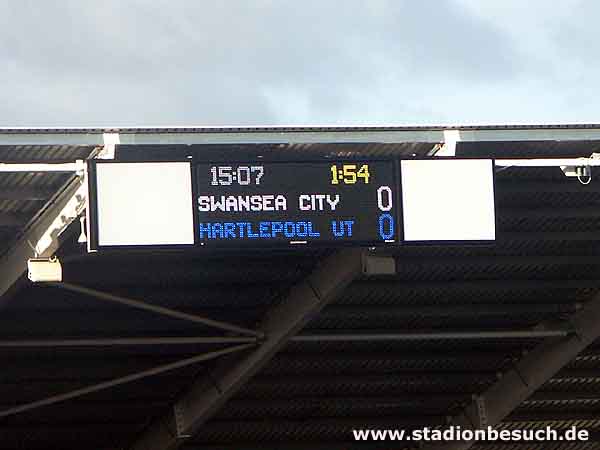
521,281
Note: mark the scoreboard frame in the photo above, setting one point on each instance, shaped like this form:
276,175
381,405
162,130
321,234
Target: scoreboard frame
92,210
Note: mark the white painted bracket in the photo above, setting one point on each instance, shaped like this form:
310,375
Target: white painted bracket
71,211
451,137
110,141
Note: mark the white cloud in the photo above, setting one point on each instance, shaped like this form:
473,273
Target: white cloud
311,62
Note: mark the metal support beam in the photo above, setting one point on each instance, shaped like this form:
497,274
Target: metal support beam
208,394
453,310
330,337
41,234
529,374
122,380
424,336
547,162
109,342
491,284
156,309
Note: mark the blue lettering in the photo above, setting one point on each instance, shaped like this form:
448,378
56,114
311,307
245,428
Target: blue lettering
241,227
349,224
276,227
289,229
301,229
312,233
250,233
217,228
229,230
334,228
269,230
383,219
205,229
263,229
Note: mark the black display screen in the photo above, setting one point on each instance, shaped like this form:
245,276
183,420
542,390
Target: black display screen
263,203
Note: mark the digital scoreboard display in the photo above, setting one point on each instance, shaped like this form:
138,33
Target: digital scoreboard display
257,204
260,203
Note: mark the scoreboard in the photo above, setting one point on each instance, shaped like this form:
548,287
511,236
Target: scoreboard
263,203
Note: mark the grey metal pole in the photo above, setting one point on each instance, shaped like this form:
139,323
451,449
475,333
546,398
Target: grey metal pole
519,334
156,309
109,342
122,380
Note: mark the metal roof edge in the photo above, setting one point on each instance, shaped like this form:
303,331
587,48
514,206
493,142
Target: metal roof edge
293,128
298,134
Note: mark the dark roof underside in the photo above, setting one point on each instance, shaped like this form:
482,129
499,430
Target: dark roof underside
543,267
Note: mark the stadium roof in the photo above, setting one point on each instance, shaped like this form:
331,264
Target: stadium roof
505,335
244,135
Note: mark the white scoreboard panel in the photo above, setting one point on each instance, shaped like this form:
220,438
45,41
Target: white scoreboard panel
143,204
448,200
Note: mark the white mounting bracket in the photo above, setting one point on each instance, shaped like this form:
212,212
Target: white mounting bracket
43,270
577,171
581,171
110,141
77,205
451,137
571,167
72,210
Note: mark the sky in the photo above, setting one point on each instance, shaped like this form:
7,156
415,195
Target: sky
268,62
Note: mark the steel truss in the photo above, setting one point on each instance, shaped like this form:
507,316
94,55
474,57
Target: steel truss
527,376
208,394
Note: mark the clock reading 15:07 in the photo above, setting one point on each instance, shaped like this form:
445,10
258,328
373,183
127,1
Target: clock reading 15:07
242,175
350,174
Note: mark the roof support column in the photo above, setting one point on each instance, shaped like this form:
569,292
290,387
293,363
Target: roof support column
204,398
40,239
528,375
41,236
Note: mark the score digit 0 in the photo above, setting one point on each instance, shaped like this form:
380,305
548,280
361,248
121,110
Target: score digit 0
386,220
